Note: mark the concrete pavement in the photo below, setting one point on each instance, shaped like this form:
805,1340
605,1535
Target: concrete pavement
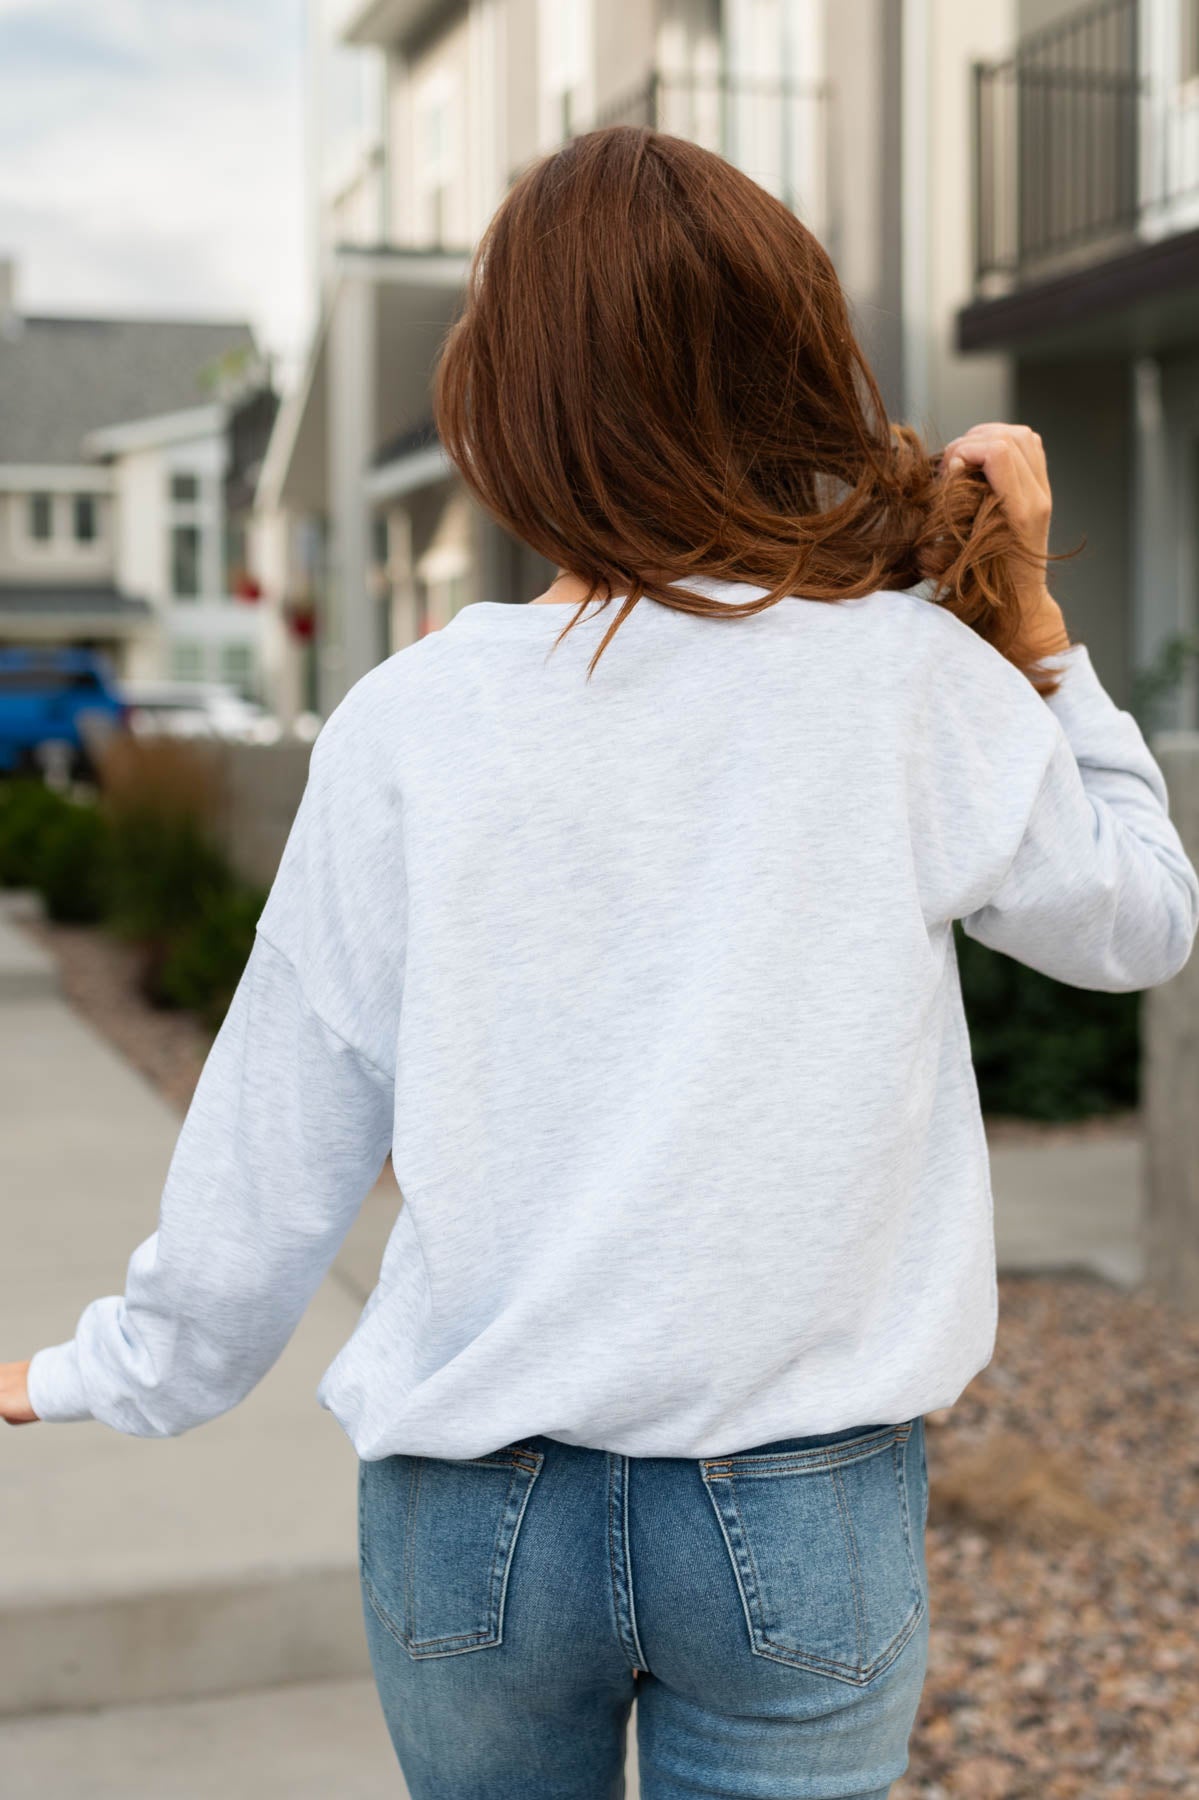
312,1741
141,1569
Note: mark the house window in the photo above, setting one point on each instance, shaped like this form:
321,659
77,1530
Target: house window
187,660
237,665
185,488
185,561
41,518
84,514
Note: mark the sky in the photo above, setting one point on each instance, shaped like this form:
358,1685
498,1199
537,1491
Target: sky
152,160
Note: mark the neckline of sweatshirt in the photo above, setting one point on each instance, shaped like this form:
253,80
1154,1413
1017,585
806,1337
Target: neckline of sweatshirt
547,618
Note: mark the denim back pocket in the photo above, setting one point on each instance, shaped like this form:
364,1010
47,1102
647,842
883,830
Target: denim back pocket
435,1543
821,1546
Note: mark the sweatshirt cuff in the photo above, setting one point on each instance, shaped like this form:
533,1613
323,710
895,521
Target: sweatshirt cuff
56,1385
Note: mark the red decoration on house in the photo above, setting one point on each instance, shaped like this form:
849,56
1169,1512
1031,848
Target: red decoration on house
247,586
301,621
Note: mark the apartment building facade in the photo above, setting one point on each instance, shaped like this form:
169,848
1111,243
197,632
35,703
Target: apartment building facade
1085,154
856,113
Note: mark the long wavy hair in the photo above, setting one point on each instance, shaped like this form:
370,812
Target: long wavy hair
654,376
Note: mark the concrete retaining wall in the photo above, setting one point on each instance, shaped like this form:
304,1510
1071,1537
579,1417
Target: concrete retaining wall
261,785
1170,1088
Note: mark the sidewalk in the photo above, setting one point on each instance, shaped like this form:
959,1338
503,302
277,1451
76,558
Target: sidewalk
312,1741
224,1560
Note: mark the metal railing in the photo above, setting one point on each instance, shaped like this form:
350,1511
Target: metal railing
1076,147
778,131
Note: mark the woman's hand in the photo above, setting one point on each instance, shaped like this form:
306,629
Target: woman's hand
14,1394
1012,458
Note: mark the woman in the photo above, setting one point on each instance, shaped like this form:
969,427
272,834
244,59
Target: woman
623,920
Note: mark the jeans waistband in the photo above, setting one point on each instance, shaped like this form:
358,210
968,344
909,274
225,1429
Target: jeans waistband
775,1447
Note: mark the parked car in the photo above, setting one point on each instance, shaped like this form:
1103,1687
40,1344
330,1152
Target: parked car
196,709
45,697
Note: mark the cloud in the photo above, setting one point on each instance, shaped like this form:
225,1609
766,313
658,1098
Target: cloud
151,159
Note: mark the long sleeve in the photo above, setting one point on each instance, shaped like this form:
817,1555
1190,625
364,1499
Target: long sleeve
287,1131
1099,891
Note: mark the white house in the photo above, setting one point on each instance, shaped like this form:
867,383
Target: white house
119,518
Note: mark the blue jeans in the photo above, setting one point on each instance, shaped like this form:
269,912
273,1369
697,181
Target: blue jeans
774,1604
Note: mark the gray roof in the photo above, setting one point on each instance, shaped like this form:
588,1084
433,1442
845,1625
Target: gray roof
61,378
84,601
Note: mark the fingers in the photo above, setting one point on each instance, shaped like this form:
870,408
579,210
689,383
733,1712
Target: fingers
1020,437
1010,473
1012,457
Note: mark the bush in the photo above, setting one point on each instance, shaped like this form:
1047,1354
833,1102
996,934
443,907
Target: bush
1042,1049
145,864
204,962
27,810
72,865
164,872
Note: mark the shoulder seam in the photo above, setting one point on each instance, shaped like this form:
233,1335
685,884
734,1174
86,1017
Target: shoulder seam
320,1018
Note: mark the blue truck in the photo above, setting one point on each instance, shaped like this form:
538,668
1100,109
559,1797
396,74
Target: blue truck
44,695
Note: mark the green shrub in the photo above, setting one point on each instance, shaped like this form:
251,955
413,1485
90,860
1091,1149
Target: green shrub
72,865
27,810
164,872
205,960
1044,1050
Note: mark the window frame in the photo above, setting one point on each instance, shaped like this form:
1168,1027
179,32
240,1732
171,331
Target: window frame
35,498
85,540
176,528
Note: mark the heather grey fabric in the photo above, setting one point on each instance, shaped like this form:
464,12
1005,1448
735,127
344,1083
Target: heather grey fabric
649,985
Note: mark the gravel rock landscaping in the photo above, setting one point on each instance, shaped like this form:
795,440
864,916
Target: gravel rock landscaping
1063,1555
1063,1539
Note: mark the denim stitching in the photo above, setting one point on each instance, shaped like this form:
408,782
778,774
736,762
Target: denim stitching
612,1569
855,1568
735,1563
491,1629
467,1638
755,1598
843,1671
492,1633
381,1614
719,1468
512,1537
407,1620
901,1477
628,1564
799,1461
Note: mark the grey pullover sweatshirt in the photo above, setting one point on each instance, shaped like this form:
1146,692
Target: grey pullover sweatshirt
648,985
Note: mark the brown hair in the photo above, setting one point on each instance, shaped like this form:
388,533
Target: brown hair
654,376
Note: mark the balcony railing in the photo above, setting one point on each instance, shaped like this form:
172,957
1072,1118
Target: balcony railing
777,131
1077,149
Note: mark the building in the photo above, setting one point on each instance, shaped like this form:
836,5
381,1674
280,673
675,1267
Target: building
126,451
1085,147
867,116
